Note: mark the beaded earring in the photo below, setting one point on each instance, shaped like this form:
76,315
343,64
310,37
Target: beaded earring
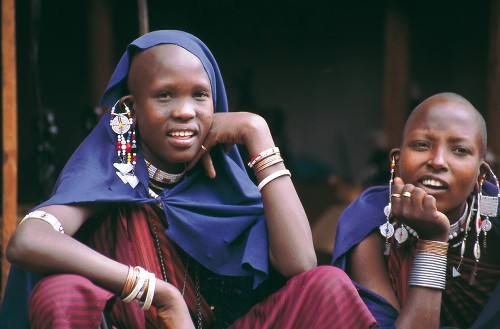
456,270
121,122
487,206
387,229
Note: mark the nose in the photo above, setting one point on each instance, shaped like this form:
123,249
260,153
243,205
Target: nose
438,159
184,109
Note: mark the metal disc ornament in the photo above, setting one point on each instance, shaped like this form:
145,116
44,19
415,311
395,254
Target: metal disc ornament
387,230
401,234
120,124
387,210
486,225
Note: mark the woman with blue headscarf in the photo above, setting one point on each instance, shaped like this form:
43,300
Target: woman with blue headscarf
155,223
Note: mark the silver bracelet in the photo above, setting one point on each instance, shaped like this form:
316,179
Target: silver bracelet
46,217
429,270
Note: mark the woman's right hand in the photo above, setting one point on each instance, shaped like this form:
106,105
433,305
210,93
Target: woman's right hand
171,310
419,211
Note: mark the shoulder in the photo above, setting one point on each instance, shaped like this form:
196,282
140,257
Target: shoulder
359,219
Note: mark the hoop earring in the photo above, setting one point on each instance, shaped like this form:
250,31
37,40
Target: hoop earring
387,229
122,124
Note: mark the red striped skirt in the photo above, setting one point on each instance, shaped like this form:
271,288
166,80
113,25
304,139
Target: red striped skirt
323,297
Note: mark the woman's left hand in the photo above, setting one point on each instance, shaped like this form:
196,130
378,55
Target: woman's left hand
230,128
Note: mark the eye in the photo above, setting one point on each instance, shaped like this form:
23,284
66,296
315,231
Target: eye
164,95
461,150
420,145
202,95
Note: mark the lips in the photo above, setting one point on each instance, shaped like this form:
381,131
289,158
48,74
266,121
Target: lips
433,183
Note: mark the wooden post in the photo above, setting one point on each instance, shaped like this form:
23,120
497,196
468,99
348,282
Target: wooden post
492,116
396,71
143,16
9,129
100,48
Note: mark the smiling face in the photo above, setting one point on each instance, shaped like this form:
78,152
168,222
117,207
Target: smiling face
171,98
442,151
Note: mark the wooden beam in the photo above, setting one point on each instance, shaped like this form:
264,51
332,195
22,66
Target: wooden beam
396,71
9,130
492,116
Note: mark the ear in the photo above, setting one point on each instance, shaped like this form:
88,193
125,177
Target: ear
129,101
394,155
484,168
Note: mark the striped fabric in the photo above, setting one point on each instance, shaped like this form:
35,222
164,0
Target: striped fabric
321,298
461,301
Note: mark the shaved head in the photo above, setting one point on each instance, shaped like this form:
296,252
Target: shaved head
463,104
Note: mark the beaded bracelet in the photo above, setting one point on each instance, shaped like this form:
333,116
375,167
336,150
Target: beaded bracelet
46,217
273,176
433,247
263,154
267,162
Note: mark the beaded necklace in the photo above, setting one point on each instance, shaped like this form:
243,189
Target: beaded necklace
162,176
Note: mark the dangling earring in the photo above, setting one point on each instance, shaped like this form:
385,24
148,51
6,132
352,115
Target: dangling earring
121,122
387,229
487,206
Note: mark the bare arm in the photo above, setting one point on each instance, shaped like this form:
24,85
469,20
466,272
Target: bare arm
37,247
368,267
291,249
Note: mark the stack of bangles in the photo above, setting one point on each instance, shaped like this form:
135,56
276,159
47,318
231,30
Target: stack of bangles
266,159
429,265
139,287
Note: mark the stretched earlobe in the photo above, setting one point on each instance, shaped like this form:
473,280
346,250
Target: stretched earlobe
394,159
394,155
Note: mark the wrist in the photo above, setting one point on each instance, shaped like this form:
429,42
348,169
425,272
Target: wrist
165,292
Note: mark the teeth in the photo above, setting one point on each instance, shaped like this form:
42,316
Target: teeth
431,182
182,133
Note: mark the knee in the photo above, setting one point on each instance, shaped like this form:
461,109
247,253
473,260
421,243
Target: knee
327,276
66,301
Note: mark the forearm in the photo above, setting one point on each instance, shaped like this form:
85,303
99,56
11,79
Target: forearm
36,247
290,241
421,309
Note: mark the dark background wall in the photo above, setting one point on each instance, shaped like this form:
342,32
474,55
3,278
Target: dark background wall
315,68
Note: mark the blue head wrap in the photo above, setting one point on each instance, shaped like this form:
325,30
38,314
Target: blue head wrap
219,222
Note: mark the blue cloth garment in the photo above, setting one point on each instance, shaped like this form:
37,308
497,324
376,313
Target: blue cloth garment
366,214
219,222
